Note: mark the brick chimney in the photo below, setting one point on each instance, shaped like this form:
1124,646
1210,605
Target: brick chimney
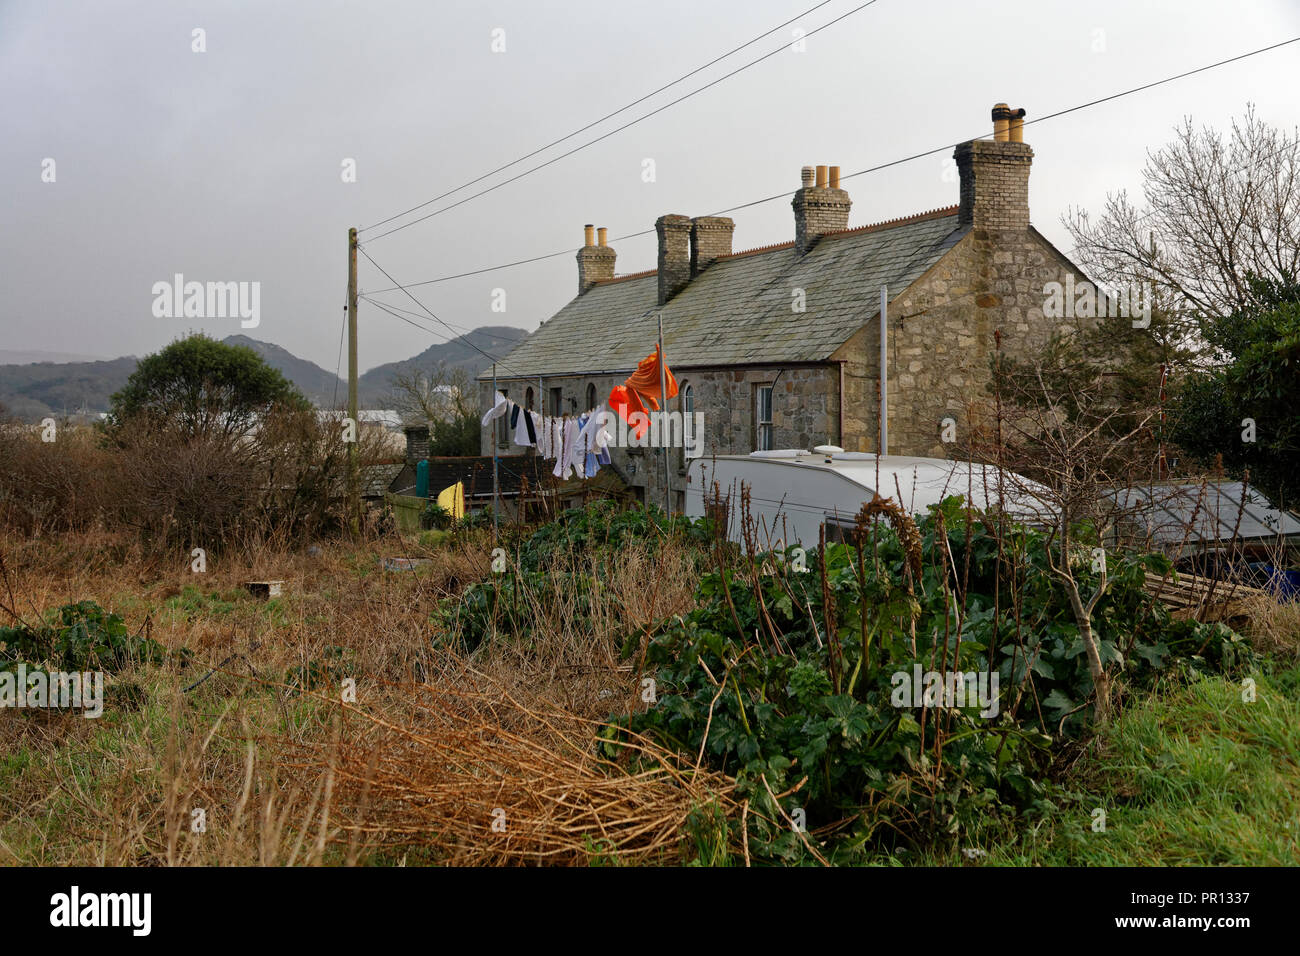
674,255
595,259
417,443
995,175
710,238
819,207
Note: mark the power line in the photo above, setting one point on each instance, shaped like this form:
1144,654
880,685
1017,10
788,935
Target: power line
430,312
338,367
422,328
464,331
621,109
402,318
861,172
603,136
394,312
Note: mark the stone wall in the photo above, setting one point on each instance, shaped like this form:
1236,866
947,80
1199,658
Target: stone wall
941,341
805,413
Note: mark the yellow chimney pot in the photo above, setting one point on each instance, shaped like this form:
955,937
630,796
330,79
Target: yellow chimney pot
1001,122
1017,130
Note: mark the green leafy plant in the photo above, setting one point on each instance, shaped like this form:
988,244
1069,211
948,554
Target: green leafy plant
81,636
787,681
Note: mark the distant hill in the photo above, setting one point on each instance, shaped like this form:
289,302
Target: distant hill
29,356
54,389
33,391
317,384
460,352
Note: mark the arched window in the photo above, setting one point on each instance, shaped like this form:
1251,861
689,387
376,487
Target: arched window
686,396
591,396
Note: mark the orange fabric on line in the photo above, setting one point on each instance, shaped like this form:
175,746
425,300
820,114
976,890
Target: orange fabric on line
645,380
624,401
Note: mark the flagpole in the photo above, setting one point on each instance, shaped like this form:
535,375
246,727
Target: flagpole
663,408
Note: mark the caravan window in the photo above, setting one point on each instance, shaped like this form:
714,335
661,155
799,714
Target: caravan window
840,530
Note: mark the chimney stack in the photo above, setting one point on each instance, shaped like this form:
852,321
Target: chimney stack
821,206
674,254
710,238
595,262
417,443
995,175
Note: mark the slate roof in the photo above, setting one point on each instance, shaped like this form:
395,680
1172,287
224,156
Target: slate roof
737,311
375,479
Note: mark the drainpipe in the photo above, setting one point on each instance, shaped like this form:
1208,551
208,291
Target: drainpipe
840,440
884,370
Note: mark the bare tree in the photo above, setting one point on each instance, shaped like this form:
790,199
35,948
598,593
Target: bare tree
440,394
1217,209
1064,442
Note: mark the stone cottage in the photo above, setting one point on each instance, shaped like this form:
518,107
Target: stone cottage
779,347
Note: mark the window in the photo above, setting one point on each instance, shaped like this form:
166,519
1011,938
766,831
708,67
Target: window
591,396
687,398
528,399
763,417
557,402
503,425
840,530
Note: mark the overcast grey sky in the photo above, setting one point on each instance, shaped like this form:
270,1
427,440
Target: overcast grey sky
226,165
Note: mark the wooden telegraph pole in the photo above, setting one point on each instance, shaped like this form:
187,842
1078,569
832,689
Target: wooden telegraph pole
354,465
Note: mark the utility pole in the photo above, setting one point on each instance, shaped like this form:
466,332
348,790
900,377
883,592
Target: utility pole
354,465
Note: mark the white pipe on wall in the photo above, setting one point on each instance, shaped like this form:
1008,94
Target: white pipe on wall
884,370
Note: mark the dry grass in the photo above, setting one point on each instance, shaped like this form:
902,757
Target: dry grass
1273,628
473,775
284,775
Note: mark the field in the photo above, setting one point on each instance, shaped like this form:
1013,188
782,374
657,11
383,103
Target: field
391,717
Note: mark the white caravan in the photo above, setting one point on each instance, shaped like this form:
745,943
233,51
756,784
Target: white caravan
793,493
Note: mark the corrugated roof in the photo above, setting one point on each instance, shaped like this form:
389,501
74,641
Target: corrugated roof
1177,511
738,311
